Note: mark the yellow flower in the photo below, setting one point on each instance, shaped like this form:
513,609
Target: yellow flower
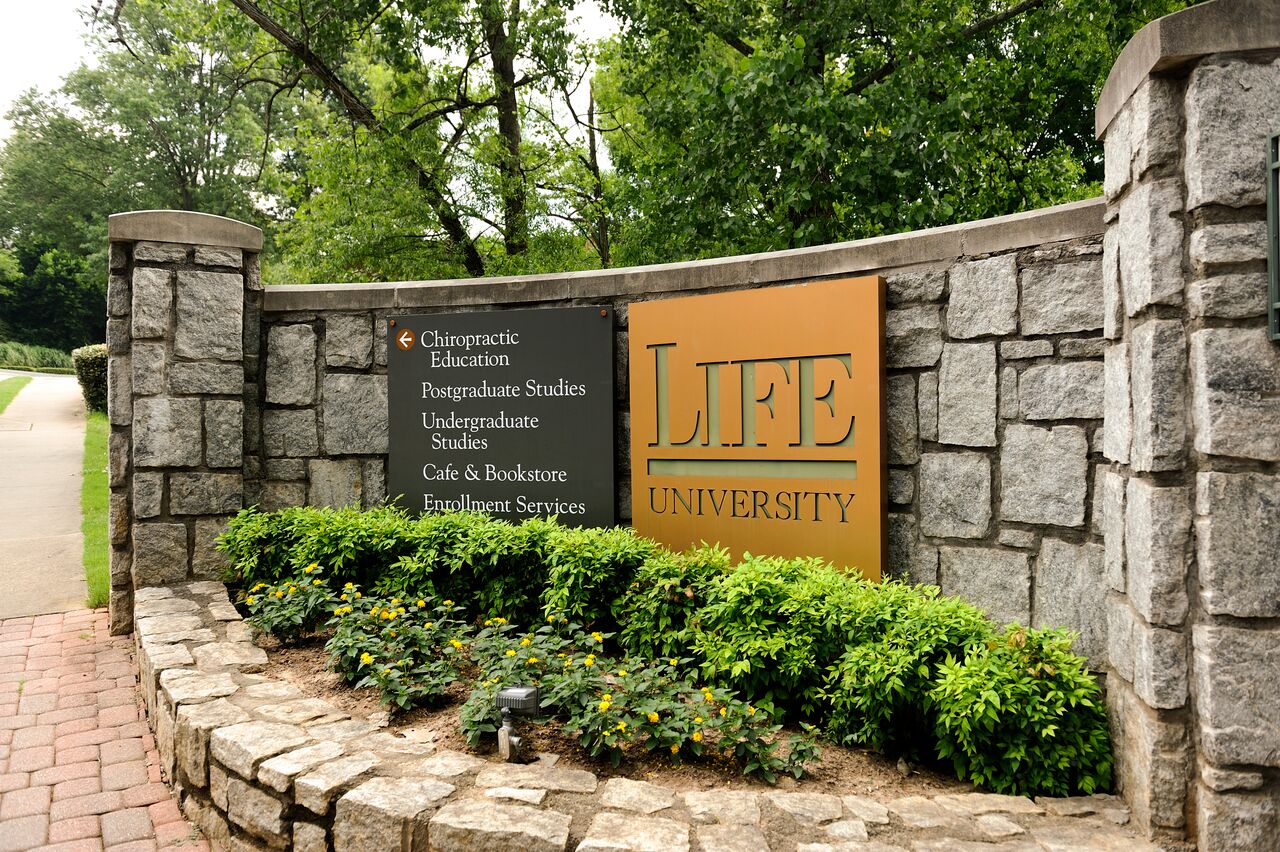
604,706
622,726
564,620
589,661
279,594
751,711
531,661
374,612
510,653
697,736
259,586
622,672
675,748
551,619
400,610
448,603
429,625
723,711
526,642
366,658
312,567
395,601
342,597
359,596
391,633
608,696
599,637
421,603
315,582
653,717
249,600
488,622
673,662
349,586
710,699
697,720
499,621
457,646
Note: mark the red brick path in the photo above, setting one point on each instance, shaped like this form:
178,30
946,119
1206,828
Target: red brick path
78,765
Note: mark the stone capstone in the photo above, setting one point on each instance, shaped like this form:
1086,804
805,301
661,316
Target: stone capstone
984,298
1235,379
316,789
611,831
387,814
1060,297
240,656
996,581
210,316
240,748
1044,475
731,838
291,365
1062,391
866,810
355,414
184,686
538,777
449,764
1237,558
808,807
967,395
475,824
638,796
278,772
532,797
733,807
955,495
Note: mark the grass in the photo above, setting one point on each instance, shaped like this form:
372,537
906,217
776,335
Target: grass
93,509
9,389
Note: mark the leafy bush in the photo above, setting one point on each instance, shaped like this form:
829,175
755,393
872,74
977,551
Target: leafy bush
292,608
878,691
1021,714
668,590
91,372
24,355
589,569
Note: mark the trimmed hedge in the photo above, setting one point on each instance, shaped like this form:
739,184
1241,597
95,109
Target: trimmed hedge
91,371
899,668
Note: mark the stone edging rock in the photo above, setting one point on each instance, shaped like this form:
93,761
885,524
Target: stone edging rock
257,765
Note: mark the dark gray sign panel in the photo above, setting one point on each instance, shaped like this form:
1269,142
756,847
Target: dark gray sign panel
505,412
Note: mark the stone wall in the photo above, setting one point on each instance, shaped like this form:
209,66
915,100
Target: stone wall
1192,488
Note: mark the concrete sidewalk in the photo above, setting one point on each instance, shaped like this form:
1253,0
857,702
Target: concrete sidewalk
79,770
41,454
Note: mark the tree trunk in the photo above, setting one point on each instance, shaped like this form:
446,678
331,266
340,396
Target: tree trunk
512,186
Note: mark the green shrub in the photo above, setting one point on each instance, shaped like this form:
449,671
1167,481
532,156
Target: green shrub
291,608
91,373
659,604
26,356
588,569
1021,714
877,693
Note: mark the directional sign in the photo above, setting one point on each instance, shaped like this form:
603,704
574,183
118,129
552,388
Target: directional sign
405,339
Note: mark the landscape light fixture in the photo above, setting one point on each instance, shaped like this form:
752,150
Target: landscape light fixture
514,701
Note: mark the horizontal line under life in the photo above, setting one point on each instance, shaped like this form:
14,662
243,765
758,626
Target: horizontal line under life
755,468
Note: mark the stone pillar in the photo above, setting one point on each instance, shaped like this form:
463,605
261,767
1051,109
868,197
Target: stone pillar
178,354
1191,497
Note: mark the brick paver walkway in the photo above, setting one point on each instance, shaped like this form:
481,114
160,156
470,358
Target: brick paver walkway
78,764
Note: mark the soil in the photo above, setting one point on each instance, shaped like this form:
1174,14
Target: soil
840,770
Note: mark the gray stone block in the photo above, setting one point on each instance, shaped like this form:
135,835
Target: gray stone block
354,414
984,298
160,252
913,336
166,432
315,790
1083,347
205,378
904,444
902,487
927,393
348,340
286,469
281,495
1044,475
148,491
1150,245
119,390
1070,592
1153,758
1235,242
967,395
612,831
207,562
387,814
152,302
921,286
1159,666
380,340
1231,296
1238,694
1157,537
334,483
1008,393
1058,297
1155,124
1117,155
204,493
1117,426
1062,391
1113,312
224,433
375,482
290,433
118,340
501,826
1157,378
1012,350
1238,543
118,518
1238,821
210,312
1235,378
955,495
254,810
908,557
159,554
997,581
1113,523
219,256
291,365
118,256
117,459
119,297
148,368
1230,109
241,747
1024,539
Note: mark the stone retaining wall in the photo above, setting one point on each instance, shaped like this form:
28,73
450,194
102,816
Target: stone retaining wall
259,766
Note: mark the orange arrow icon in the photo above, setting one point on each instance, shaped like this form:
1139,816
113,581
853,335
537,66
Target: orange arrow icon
405,339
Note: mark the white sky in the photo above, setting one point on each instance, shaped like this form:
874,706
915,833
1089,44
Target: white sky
40,42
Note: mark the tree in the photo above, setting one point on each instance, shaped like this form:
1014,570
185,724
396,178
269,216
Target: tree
775,124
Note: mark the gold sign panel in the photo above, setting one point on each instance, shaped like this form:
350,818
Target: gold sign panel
757,421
